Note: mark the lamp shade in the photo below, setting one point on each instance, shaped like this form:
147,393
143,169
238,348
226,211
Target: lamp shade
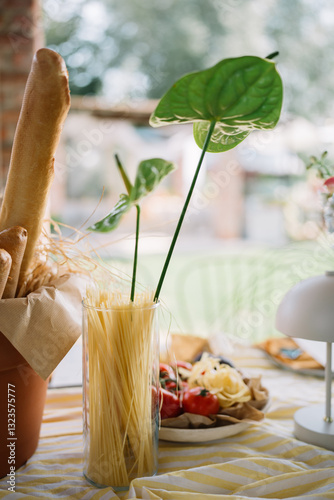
307,310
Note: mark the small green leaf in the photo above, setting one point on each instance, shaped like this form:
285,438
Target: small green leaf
241,94
149,174
112,220
124,176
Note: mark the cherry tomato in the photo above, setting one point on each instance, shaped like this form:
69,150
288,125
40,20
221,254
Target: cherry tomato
173,386
200,401
184,386
170,385
166,371
170,406
329,183
183,364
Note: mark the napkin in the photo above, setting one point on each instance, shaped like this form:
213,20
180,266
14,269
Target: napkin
185,347
286,351
45,324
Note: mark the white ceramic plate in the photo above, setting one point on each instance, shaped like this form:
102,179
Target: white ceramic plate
313,372
201,435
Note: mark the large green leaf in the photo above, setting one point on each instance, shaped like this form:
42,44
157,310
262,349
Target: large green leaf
239,94
149,174
112,220
222,139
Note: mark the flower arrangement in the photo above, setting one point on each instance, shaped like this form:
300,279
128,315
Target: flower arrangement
325,172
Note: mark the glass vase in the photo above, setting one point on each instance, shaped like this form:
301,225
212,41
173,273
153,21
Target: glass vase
120,393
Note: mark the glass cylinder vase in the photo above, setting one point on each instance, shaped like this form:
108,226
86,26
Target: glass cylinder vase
120,392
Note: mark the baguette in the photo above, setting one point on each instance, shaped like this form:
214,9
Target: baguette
45,106
14,241
5,264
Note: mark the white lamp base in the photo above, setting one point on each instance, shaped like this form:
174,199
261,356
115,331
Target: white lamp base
311,427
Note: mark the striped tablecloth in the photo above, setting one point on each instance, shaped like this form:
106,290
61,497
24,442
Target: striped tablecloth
265,461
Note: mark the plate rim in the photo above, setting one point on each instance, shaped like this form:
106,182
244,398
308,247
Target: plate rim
201,435
184,435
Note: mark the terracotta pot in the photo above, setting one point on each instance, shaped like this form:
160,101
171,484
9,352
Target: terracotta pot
29,391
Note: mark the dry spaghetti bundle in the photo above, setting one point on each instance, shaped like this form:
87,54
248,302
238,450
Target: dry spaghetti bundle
121,417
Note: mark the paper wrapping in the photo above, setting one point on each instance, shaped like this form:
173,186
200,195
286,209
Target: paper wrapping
44,325
185,347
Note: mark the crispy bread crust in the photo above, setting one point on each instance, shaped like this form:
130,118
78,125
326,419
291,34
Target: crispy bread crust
14,241
45,106
5,265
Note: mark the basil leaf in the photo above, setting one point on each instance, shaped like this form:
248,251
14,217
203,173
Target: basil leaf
112,220
149,175
243,93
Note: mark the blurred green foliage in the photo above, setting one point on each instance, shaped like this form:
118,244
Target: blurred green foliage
153,42
137,48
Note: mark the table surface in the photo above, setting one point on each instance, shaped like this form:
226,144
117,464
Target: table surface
264,461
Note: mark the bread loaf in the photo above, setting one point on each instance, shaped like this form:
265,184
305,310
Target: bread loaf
45,106
14,241
5,264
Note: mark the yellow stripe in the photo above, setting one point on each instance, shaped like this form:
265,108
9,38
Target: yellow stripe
282,413
303,487
202,457
202,479
319,459
279,491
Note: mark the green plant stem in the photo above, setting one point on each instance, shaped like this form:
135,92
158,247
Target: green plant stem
184,210
327,172
135,258
129,186
125,178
